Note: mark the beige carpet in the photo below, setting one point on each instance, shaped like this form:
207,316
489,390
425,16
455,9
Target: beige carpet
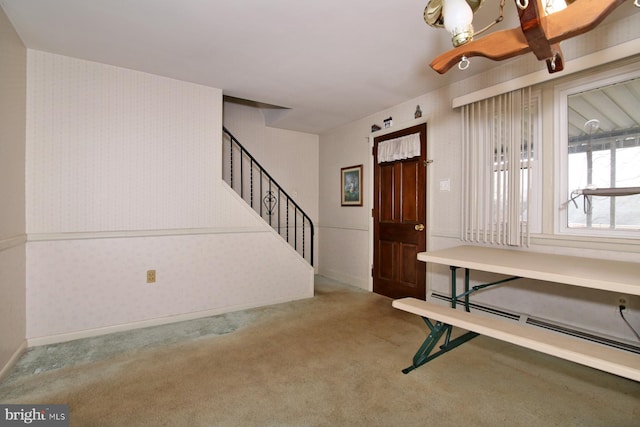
333,360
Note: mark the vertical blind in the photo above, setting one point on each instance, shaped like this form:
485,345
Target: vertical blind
497,154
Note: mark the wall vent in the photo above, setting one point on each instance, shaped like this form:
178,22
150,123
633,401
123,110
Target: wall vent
547,325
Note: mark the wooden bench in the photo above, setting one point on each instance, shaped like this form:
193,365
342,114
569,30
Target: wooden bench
609,359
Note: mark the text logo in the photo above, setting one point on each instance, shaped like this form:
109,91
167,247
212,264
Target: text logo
34,415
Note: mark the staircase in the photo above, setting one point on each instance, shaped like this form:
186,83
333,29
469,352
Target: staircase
266,197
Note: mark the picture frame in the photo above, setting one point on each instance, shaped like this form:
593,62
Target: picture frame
351,185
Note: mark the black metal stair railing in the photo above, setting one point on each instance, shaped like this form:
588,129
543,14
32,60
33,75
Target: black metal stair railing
256,187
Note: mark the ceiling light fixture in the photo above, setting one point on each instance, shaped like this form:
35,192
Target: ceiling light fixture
458,17
543,25
434,15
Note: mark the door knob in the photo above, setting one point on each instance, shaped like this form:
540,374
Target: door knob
419,227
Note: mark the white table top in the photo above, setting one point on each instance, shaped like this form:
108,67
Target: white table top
615,276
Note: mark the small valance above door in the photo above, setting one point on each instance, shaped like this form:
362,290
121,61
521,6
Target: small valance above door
404,147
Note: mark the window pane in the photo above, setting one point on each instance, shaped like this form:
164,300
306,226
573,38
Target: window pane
609,164
628,175
604,153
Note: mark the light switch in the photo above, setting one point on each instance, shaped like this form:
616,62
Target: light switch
445,184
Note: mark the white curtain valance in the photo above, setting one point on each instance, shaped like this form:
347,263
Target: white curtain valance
404,147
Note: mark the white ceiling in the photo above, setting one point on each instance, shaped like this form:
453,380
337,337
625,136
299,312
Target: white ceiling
329,62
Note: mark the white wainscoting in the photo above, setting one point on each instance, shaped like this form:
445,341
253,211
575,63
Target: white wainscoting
84,287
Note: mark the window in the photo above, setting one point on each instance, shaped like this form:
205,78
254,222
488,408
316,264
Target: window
600,157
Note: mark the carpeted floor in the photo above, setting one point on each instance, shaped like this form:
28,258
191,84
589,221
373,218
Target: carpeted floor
332,360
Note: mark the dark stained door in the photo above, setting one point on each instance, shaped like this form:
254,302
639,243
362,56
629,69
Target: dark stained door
399,218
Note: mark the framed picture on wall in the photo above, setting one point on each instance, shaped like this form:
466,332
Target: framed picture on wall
351,185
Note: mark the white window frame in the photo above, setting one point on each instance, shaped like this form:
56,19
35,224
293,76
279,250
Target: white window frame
562,93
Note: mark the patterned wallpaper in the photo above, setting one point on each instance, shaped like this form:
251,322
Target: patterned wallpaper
114,149
13,64
79,285
124,176
290,157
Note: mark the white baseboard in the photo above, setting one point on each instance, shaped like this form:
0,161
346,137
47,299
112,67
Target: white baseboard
344,278
89,333
13,359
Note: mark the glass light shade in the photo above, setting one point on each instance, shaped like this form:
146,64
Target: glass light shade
458,16
552,6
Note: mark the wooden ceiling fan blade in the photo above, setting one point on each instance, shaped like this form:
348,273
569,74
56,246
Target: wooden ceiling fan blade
545,32
578,18
497,46
531,24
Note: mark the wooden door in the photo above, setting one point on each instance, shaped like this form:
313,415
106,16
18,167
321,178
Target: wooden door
399,218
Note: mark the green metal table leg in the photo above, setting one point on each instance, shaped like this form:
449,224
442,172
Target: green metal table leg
453,286
466,289
447,338
424,355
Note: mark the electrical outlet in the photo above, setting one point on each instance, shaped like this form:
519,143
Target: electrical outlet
623,303
151,276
